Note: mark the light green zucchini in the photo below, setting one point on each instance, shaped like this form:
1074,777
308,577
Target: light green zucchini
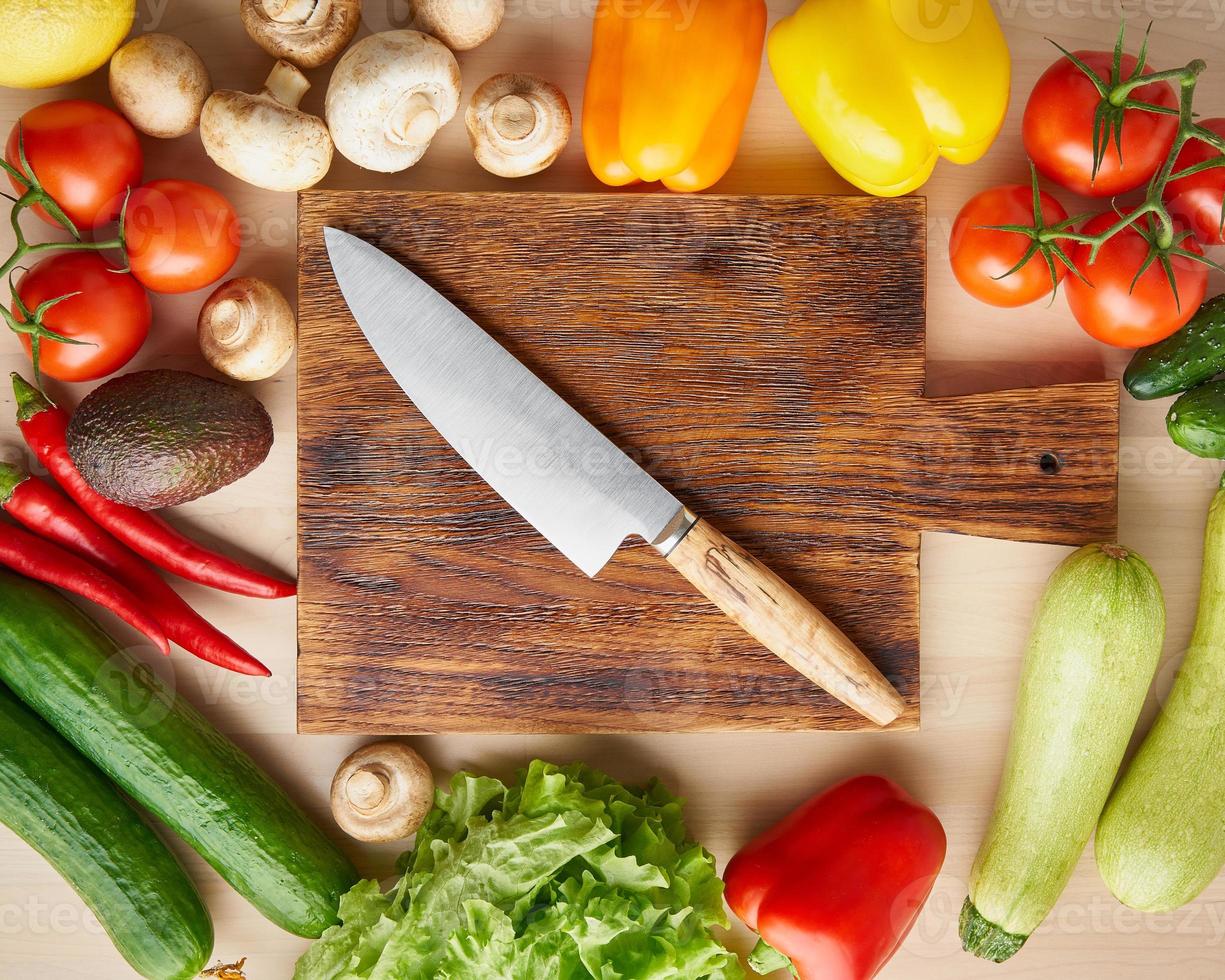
1094,646
1161,838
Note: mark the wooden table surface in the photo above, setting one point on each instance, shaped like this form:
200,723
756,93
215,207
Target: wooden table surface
977,595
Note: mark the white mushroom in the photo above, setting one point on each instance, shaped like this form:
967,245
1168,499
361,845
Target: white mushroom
459,24
159,83
388,96
246,329
382,792
518,124
263,138
308,33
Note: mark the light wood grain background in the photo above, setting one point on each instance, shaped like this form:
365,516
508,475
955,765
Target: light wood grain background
977,594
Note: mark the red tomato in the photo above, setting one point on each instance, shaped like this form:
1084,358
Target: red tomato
180,235
979,254
111,315
1198,200
1114,312
85,156
1057,128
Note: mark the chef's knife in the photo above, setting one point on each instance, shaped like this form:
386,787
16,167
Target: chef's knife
570,482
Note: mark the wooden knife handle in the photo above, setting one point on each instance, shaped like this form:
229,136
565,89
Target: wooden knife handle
783,621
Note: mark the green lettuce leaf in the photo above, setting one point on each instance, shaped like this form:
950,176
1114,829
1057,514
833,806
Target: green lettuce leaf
564,874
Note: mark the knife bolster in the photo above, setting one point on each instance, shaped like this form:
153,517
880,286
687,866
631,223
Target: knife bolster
675,532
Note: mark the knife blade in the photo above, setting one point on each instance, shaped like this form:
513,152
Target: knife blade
568,480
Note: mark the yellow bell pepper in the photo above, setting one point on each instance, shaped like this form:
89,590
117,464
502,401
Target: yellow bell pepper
668,88
885,87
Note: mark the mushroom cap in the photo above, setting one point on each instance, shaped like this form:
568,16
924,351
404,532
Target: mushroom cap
159,83
518,124
382,792
263,138
460,24
388,96
306,33
246,329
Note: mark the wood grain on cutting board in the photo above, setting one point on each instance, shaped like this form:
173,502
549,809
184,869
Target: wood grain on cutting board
762,356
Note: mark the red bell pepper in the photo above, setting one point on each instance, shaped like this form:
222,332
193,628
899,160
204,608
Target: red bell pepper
836,885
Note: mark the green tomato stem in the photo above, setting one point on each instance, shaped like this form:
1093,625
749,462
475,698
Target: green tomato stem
1163,237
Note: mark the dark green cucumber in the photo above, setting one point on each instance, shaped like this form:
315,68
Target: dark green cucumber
1196,422
1193,355
59,804
168,758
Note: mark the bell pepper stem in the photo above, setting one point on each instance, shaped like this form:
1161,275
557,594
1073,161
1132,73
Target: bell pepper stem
765,959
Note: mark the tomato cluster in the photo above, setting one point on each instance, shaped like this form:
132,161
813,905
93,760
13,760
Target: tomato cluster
178,236
1012,244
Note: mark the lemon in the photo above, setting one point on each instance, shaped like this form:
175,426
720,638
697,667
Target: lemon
48,42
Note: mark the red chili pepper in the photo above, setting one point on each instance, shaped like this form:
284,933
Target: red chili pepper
43,425
46,511
38,559
836,885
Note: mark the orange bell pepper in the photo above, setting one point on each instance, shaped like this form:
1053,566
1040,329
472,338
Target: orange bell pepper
669,87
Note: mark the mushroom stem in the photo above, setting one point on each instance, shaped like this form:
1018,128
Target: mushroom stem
367,789
413,122
286,84
290,11
232,321
514,117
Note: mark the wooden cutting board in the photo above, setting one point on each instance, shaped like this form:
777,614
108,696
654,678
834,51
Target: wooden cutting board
762,356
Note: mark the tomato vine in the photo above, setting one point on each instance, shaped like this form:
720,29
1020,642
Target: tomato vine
1151,218
32,194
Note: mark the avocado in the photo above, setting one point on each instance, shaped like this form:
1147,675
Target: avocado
154,439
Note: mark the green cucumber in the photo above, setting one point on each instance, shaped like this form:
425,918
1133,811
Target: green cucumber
1196,422
1161,838
60,805
1193,355
168,758
1091,655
